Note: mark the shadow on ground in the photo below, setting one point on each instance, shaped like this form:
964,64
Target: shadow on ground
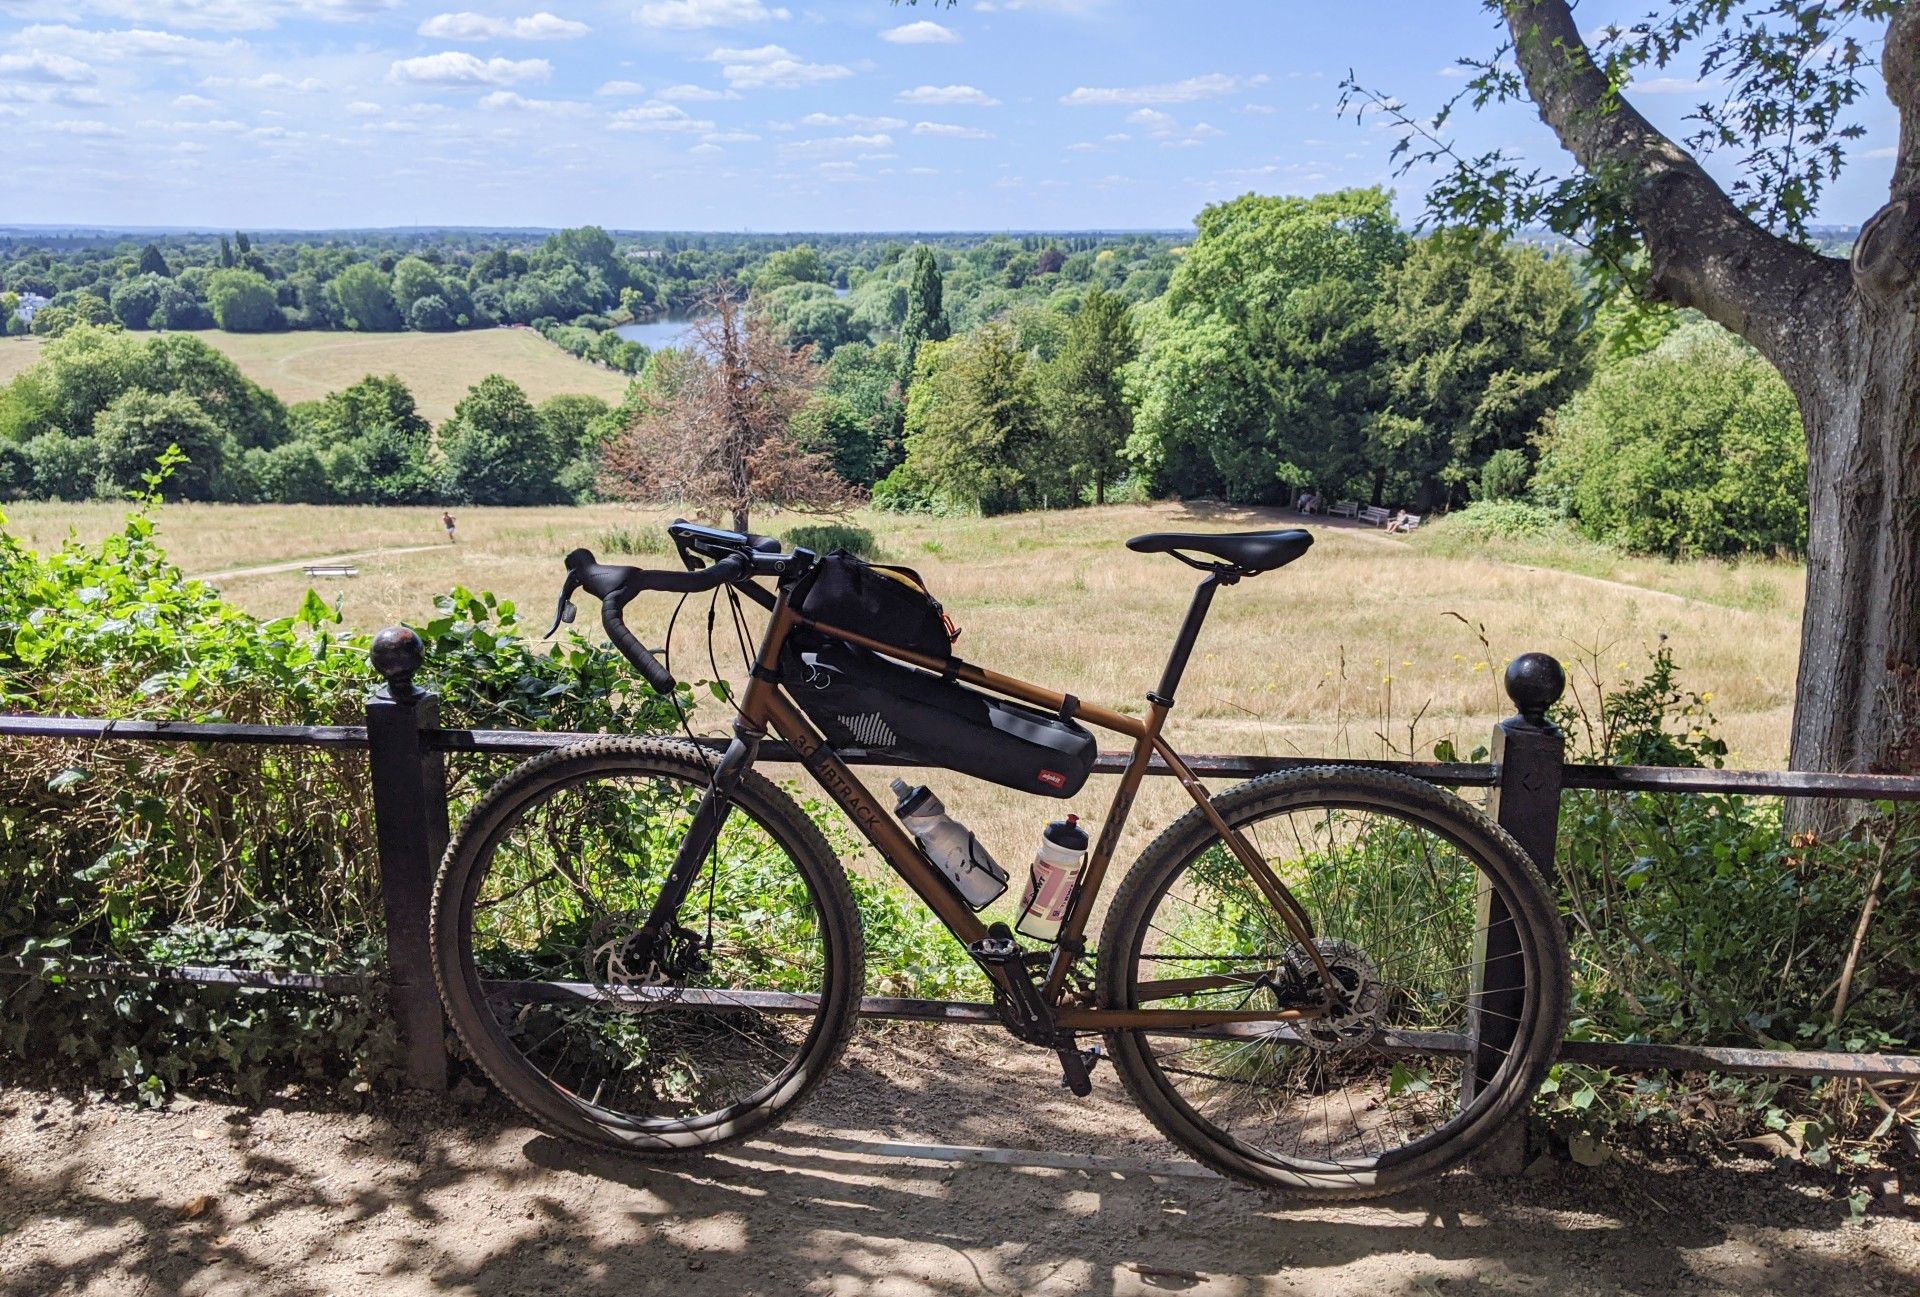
287,1202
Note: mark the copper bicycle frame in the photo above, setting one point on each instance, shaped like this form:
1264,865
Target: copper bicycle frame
764,703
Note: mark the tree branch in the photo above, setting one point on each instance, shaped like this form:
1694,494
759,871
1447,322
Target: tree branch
1886,256
1704,251
1900,64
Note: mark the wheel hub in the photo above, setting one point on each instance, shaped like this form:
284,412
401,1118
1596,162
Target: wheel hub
1353,1020
639,970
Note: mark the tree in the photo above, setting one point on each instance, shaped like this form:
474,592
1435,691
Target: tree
926,318
497,450
1843,332
430,314
60,467
799,264
1265,370
153,263
854,415
243,302
363,297
1484,338
1694,448
976,433
131,434
723,439
81,309
810,315
414,279
375,444
1085,390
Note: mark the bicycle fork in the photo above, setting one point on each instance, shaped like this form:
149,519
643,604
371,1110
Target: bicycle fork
702,835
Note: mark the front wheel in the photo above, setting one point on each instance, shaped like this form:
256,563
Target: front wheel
1408,890
604,1030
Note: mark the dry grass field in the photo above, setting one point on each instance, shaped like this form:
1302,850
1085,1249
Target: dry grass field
438,367
1367,645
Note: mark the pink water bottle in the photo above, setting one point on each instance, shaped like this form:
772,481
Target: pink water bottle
1043,907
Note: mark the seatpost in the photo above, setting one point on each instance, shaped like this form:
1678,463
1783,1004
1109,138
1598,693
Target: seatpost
1189,632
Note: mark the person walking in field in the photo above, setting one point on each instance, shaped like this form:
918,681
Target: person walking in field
446,520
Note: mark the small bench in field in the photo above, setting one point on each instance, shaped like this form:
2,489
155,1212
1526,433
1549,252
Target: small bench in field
1345,508
331,569
1373,515
1404,525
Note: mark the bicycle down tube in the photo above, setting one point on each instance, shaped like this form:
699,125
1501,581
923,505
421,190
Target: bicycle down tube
764,705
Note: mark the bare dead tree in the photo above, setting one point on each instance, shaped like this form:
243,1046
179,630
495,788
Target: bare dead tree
721,440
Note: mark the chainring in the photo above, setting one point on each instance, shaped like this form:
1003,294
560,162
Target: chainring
1355,1022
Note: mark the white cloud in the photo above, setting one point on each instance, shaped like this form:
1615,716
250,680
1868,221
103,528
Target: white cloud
837,144
1153,119
513,102
1211,86
79,128
949,131
47,69
277,81
129,43
1887,152
656,116
706,149
921,33
363,108
459,68
193,101
852,122
952,95
730,137
468,26
696,15
694,94
772,67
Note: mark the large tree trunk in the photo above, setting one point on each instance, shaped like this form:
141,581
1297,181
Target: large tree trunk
1859,688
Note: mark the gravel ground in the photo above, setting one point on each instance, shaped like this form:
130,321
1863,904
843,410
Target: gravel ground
426,1196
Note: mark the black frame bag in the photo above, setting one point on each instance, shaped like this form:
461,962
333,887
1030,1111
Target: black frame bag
861,700
889,604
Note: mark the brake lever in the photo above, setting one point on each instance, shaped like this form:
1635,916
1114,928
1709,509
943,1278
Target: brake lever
563,611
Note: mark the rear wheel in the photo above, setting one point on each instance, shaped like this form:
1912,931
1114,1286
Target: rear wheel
1405,885
648,1043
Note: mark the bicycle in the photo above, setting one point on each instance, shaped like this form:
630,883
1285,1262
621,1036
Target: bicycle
650,947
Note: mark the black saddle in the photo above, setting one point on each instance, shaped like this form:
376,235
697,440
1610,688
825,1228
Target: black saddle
1247,552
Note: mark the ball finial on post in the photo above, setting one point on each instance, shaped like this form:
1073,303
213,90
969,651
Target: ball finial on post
397,654
1535,682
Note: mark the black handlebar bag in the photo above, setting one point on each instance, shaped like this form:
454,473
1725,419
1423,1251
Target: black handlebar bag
862,700
889,604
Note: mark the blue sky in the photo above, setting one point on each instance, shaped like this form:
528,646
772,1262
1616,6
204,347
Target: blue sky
733,114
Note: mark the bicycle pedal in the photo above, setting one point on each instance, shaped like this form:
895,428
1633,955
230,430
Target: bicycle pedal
1076,1069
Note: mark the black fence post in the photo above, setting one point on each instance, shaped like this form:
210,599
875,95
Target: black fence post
410,820
1528,753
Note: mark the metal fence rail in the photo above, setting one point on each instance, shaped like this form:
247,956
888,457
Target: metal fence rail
407,750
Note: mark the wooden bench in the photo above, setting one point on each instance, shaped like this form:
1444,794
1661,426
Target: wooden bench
1374,516
1407,524
1345,508
331,569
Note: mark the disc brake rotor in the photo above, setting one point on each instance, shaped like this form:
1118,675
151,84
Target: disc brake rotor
1354,1021
637,975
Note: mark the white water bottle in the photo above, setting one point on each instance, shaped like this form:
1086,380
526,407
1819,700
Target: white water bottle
950,845
1043,907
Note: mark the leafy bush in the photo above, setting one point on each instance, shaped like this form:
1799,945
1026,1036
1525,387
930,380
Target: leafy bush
631,540
825,537
1694,448
1695,920
1488,520
131,853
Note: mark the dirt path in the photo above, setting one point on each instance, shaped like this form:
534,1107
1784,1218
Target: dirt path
298,1201
318,561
